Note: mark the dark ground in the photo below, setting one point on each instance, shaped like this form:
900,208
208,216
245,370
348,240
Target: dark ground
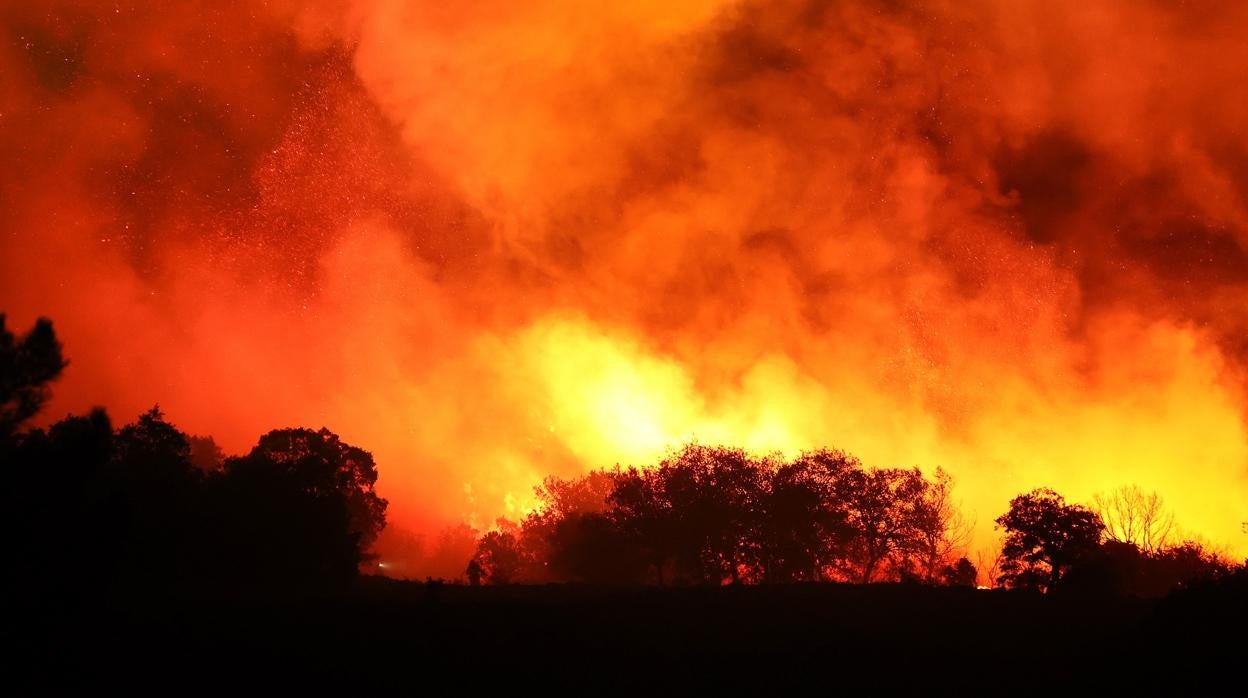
407,638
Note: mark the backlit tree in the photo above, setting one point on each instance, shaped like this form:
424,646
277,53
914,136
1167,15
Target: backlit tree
1044,538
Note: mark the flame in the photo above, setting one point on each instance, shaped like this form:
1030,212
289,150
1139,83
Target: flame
493,242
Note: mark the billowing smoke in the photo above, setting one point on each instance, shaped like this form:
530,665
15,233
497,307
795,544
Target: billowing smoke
492,240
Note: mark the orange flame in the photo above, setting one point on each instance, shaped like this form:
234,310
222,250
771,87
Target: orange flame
494,241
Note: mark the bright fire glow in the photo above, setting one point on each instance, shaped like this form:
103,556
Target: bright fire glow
493,241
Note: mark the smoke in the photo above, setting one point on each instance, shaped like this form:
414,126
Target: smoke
493,241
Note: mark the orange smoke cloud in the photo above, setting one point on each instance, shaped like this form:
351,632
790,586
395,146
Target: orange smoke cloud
492,242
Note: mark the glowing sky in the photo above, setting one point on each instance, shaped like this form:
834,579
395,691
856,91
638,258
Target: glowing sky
491,241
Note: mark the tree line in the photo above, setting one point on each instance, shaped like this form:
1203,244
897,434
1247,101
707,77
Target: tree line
148,506
710,515
716,515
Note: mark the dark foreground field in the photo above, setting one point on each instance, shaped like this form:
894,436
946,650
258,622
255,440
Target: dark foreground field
414,638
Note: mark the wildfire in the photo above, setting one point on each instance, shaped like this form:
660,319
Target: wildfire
493,242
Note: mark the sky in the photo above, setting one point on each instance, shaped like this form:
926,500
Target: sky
493,241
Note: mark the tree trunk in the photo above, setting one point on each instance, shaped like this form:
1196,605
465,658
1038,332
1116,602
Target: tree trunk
869,569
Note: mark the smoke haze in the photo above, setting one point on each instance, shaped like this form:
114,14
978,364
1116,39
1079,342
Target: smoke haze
492,241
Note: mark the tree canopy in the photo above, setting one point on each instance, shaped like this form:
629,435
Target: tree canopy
715,515
1045,537
28,364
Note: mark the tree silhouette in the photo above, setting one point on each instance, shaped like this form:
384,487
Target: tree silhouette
941,533
644,516
162,496
583,495
709,515
27,366
206,455
147,508
300,508
588,547
474,572
1185,563
1045,537
714,493
62,504
1133,516
804,525
152,449
499,559
960,574
551,532
883,506
988,564
321,465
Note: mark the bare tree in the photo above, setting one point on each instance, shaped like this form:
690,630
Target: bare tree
942,533
988,563
1134,516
